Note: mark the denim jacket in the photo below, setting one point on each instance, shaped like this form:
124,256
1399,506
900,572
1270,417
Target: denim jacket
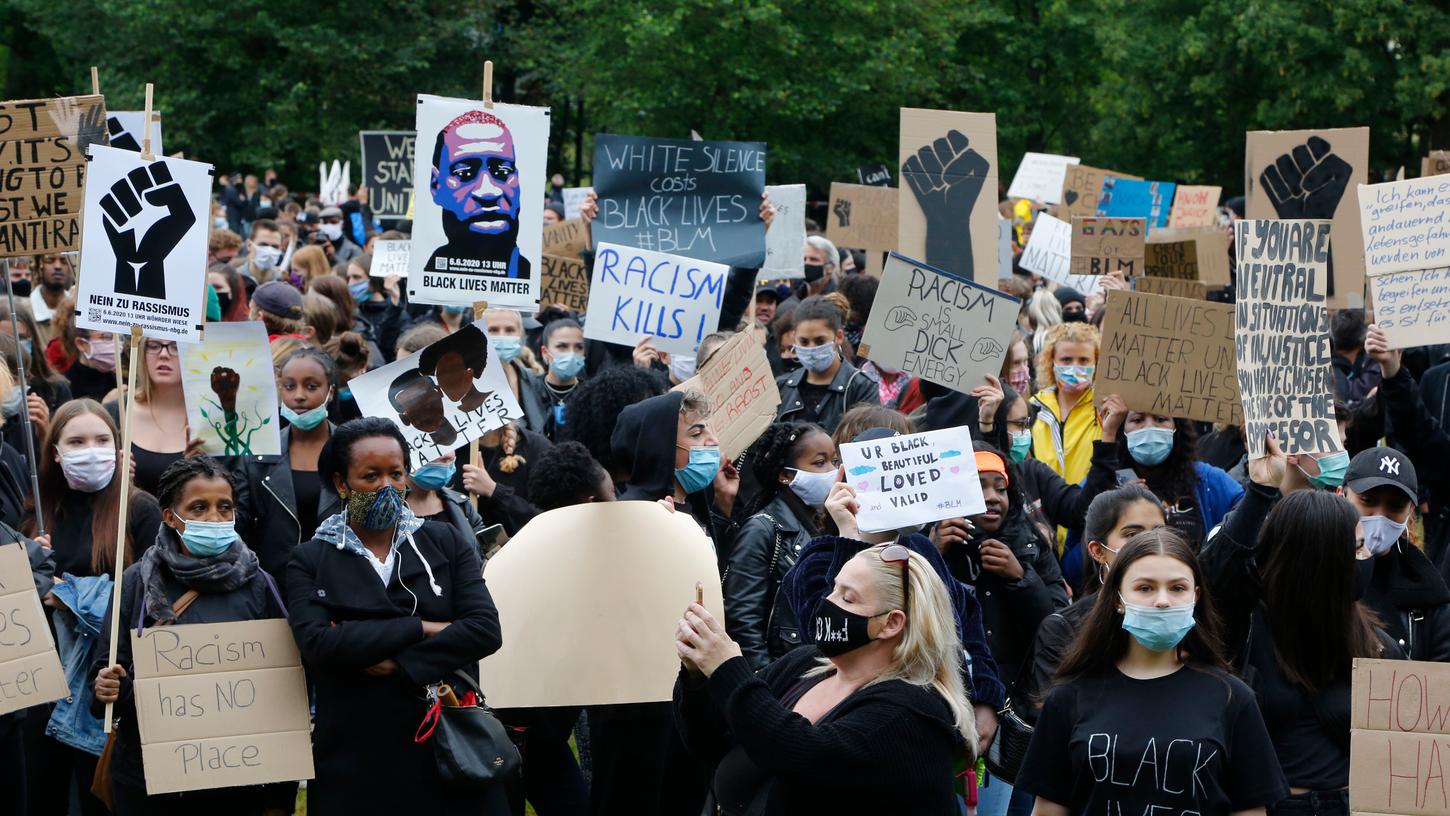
84,603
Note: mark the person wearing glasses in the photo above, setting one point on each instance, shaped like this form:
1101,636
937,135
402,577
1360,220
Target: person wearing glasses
159,430
869,719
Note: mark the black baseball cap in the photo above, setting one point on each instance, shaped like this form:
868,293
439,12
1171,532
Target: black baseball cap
1378,467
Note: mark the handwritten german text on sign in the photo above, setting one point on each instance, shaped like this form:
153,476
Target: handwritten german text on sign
30,670
903,481
221,705
45,142
1399,738
1170,356
636,293
1282,336
1406,224
938,326
742,392
1413,308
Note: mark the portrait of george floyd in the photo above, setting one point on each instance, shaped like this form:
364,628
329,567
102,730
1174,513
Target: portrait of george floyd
476,183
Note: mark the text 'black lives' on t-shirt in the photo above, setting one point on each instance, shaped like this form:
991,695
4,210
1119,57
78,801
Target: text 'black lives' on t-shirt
1191,742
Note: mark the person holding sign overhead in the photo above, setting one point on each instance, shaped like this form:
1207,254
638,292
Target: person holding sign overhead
825,387
198,571
384,604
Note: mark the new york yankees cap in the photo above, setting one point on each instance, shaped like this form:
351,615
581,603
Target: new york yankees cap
1377,467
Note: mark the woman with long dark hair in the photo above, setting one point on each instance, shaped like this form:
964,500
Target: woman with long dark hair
1146,684
1160,449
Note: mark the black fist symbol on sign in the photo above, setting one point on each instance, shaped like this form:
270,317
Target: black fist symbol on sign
1307,182
141,260
947,177
843,212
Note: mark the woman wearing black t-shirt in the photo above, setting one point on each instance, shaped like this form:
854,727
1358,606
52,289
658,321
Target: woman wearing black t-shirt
1145,717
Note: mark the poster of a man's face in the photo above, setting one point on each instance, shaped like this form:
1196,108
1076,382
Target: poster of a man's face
479,195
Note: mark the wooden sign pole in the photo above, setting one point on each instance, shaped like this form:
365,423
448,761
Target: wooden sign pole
115,338
123,469
488,83
146,128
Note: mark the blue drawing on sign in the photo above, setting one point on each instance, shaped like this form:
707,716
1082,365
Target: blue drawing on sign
861,469
947,454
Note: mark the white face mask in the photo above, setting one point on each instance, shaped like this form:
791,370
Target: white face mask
265,257
811,487
1381,533
331,231
682,366
88,469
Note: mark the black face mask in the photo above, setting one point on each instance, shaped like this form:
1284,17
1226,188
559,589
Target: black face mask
1074,317
1363,576
21,288
814,272
224,300
838,630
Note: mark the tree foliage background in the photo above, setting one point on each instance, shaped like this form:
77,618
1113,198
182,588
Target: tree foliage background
1161,88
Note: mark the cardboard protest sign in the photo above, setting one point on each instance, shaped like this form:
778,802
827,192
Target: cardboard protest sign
566,283
635,293
1406,225
1049,254
903,481
1399,738
574,198
46,141
1171,259
1173,287
742,392
391,258
30,670
478,191
785,241
1211,245
697,199
1130,198
231,390
1282,336
1413,308
590,590
1435,164
221,705
948,211
444,396
938,326
1195,206
1081,186
566,238
1039,177
1310,174
146,228
127,130
1169,356
874,175
862,217
387,170
1101,246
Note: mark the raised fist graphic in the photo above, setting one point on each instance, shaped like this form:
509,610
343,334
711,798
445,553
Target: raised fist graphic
947,177
1307,182
224,383
120,138
843,212
141,260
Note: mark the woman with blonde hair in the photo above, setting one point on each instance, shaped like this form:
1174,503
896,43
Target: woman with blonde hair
159,430
1067,425
1043,312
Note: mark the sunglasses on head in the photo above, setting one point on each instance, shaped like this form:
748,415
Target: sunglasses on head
901,554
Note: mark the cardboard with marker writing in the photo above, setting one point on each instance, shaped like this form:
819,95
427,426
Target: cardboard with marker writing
1195,206
566,283
1435,164
30,669
1212,245
636,293
1172,287
566,238
743,397
1101,246
49,140
1399,737
948,191
1081,186
862,216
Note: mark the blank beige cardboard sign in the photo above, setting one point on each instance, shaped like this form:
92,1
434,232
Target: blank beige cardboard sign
1399,739
595,592
566,238
565,281
1212,244
948,215
45,143
1170,356
742,392
1282,336
30,670
1081,186
862,216
1101,246
1195,206
220,705
1311,174
1435,164
1413,308
1171,287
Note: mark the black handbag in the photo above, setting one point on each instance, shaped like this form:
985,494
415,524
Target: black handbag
470,746
1009,747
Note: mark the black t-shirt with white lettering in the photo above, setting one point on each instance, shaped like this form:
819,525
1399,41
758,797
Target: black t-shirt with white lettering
1190,742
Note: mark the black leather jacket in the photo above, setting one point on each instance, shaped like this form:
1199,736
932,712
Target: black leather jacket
757,615
267,508
849,387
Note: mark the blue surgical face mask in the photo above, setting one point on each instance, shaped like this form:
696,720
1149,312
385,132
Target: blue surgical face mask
360,291
816,359
457,310
1381,533
1157,628
307,420
204,539
1331,470
1021,445
1074,375
507,348
1150,446
567,365
344,393
434,476
13,402
700,472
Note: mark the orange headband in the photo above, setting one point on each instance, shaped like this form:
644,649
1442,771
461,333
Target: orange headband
989,462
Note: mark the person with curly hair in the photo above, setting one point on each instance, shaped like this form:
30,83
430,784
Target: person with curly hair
607,394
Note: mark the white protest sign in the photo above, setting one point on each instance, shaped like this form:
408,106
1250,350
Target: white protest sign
1049,254
231,390
1406,224
637,293
1004,248
785,239
390,258
145,232
478,203
444,396
220,705
1039,177
903,481
127,130
574,198
30,670
1413,308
